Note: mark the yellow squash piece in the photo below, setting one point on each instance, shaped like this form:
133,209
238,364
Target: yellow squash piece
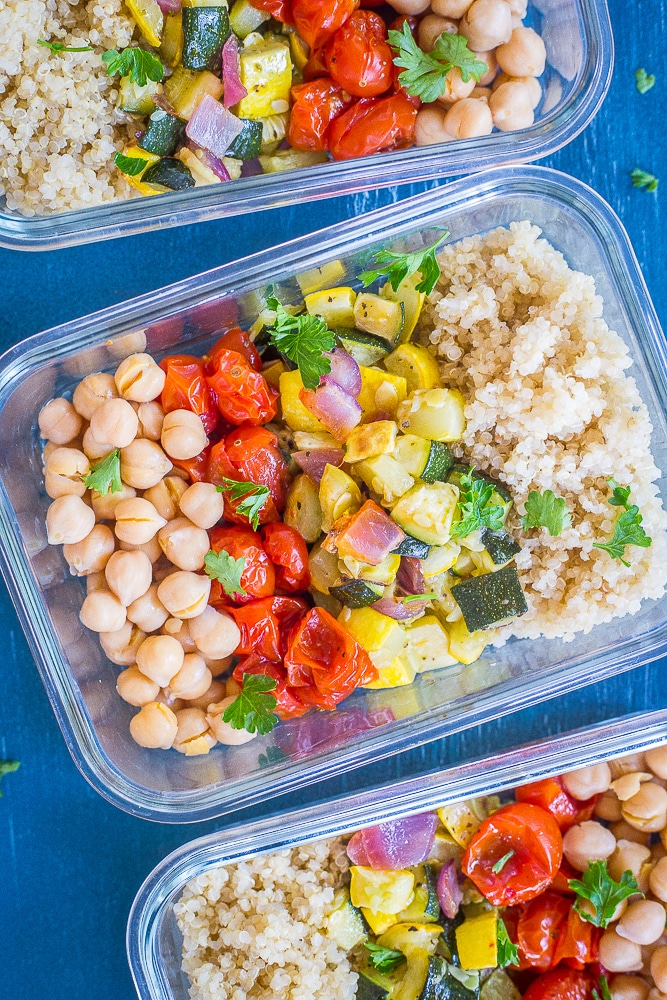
367,440
334,305
321,277
379,316
401,671
427,512
440,559
379,922
185,88
406,937
385,476
427,640
380,890
266,74
339,495
149,18
461,820
477,941
465,646
385,571
135,153
433,413
202,174
171,48
412,301
417,366
382,637
381,393
295,414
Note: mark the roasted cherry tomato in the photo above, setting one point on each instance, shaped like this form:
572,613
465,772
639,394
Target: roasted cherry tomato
264,625
371,125
186,388
538,930
316,104
244,396
238,340
196,467
578,942
255,452
324,662
289,554
531,838
288,703
280,9
561,881
317,20
550,794
315,67
560,984
219,466
258,578
358,57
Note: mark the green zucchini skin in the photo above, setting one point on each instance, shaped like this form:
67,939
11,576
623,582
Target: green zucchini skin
367,989
490,599
205,31
413,547
366,348
500,545
247,144
356,593
163,134
169,174
440,461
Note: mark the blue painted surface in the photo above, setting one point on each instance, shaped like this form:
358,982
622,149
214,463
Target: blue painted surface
70,864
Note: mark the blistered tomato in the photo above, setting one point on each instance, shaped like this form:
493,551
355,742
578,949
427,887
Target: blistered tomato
264,625
358,57
316,104
317,20
550,794
371,125
186,388
238,340
243,394
289,554
258,578
560,984
288,703
255,452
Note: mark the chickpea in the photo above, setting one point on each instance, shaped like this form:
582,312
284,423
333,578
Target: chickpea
643,922
656,760
147,611
629,856
92,391
628,988
530,84
587,781
154,726
129,575
181,631
92,553
468,119
430,126
608,807
233,688
105,505
143,464
64,472
137,521
175,704
410,7
135,688
218,667
588,841
121,646
623,831
511,107
203,504
183,434
96,581
657,880
629,784
617,954
215,692
431,27
68,520
623,765
223,731
101,611
151,548
184,543
184,594
94,449
659,968
160,657
481,94
151,418
115,422
455,88
59,422
216,634
647,810
518,8
192,680
450,8
491,67
193,737
139,378
524,54
166,496
486,24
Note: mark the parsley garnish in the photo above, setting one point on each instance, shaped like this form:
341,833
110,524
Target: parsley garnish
399,266
425,72
628,529
104,477
302,339
8,767
545,510
58,47
508,953
130,165
134,62
272,756
418,597
226,570
253,498
642,179
384,959
644,80
252,709
500,864
476,508
604,893
605,993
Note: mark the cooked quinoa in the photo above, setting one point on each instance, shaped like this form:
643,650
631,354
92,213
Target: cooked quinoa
59,125
551,406
257,929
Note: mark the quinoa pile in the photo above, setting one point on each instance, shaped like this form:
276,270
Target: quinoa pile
59,125
550,407
257,929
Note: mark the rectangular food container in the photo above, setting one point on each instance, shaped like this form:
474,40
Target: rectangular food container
578,38
186,317
153,937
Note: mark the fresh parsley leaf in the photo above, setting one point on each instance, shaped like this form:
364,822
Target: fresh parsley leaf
417,597
104,477
642,179
476,507
384,959
545,510
605,992
644,80
134,62
500,864
252,497
226,570
604,893
302,339
130,165
396,267
8,767
272,756
425,72
252,709
508,953
628,528
58,47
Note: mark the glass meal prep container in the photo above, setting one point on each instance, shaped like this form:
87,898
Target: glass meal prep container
154,940
579,44
187,317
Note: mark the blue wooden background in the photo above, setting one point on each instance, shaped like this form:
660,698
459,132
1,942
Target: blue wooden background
70,864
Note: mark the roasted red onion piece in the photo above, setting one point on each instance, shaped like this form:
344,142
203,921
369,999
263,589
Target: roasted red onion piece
396,609
213,127
314,461
210,161
369,535
231,73
356,851
344,371
410,576
335,408
169,6
399,843
449,890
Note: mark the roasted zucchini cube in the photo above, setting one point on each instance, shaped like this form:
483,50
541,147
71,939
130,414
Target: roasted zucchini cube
381,890
368,440
433,413
334,305
491,599
266,74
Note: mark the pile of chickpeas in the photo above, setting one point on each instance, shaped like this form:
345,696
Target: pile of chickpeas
142,551
630,834
507,94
